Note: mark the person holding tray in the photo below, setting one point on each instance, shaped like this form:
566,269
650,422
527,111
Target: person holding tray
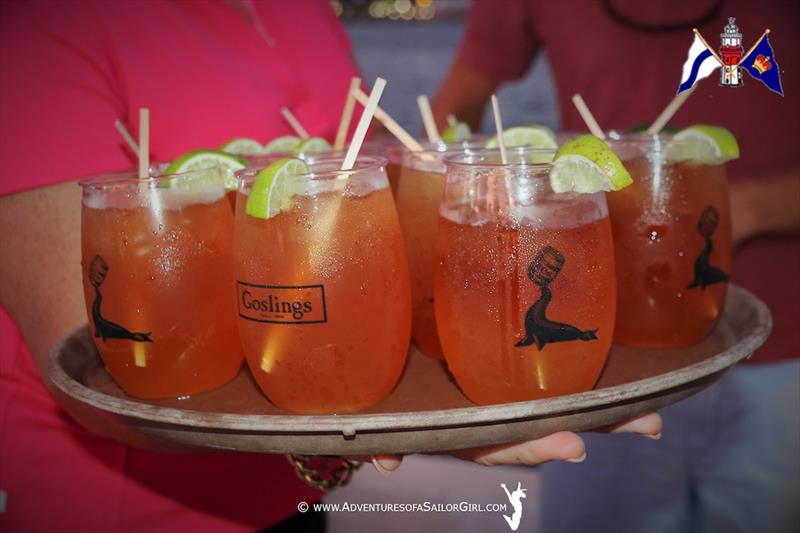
728,459
72,70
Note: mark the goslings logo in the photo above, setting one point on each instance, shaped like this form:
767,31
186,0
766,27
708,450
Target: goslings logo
544,268
276,304
759,61
104,328
704,273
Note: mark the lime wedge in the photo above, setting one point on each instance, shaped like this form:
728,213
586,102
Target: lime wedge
313,145
286,143
533,136
459,131
586,164
242,146
273,189
702,143
205,159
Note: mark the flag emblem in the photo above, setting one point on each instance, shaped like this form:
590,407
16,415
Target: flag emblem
759,62
700,64
762,64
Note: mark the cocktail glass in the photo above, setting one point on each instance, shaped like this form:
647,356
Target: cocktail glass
524,288
672,240
322,289
158,281
419,192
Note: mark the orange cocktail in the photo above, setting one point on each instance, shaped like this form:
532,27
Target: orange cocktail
672,237
323,293
418,195
419,192
392,150
525,290
157,281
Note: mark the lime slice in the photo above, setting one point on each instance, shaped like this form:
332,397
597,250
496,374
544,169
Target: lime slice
459,131
286,143
206,159
533,136
272,189
586,164
703,144
242,146
313,145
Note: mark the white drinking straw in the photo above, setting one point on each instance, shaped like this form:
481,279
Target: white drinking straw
139,355
294,123
498,124
347,115
144,143
363,124
669,111
427,119
390,124
587,116
127,136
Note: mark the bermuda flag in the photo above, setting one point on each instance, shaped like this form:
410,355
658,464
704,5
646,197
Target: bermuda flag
761,64
700,64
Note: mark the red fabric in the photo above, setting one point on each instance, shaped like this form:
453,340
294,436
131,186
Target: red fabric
69,70
59,477
613,67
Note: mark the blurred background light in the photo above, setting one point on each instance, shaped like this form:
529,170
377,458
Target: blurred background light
412,44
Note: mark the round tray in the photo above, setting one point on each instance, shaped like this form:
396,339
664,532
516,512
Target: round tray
425,413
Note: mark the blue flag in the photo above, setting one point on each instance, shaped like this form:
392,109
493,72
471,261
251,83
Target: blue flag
761,64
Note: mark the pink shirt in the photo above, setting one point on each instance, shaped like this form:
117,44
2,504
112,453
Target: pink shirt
628,76
208,73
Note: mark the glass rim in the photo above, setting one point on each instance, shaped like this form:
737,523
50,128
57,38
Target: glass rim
156,176
652,145
451,149
638,137
438,148
382,142
454,160
630,137
370,163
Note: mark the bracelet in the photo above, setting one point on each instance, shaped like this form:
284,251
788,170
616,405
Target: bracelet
324,472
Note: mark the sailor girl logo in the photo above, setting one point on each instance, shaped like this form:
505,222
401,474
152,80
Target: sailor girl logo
539,329
104,328
704,273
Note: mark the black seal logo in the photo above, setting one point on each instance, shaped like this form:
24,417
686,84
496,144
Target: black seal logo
544,268
704,273
98,270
